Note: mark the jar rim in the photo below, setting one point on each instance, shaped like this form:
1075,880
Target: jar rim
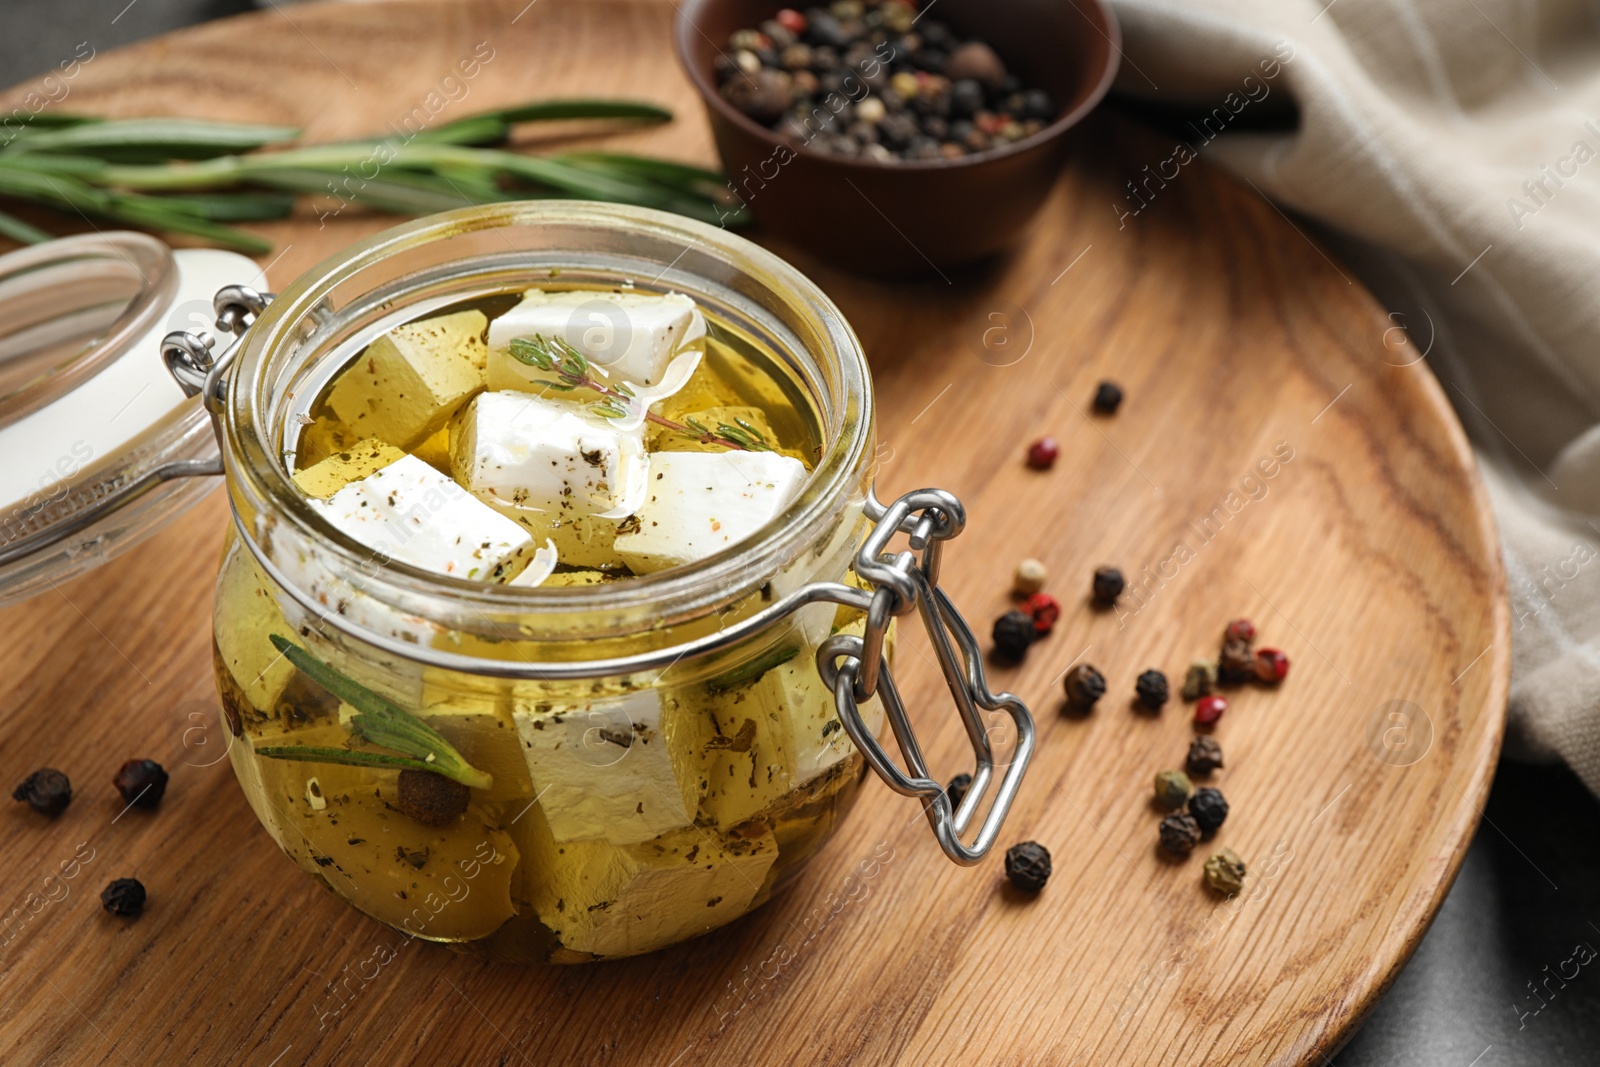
251,456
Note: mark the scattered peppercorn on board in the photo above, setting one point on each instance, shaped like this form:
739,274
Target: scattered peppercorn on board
1281,453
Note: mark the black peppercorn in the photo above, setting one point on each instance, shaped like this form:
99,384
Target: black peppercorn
1179,833
142,783
1208,808
431,799
1084,686
1109,584
1236,664
1152,689
1013,633
1205,756
123,897
47,791
1107,395
957,789
1028,866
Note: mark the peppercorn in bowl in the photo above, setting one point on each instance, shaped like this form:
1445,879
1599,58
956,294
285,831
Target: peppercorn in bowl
892,140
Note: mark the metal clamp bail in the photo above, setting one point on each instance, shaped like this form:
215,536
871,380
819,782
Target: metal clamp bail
855,669
188,353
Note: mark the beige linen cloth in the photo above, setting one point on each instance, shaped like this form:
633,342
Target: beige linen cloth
1449,151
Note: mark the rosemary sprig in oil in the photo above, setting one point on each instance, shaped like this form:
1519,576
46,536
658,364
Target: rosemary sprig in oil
573,371
378,722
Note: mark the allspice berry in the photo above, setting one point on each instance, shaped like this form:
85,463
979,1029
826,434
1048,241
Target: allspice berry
1225,872
142,783
977,61
1084,686
1108,584
123,898
1028,866
47,791
1236,664
1205,756
1179,833
432,799
1173,789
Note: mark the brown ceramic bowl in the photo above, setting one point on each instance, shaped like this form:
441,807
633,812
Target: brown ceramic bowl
913,217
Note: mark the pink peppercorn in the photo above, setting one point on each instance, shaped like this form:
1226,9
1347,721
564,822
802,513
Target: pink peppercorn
1042,453
1045,610
1240,630
1272,666
791,20
1209,709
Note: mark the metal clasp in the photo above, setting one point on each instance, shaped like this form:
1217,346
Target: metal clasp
188,353
904,582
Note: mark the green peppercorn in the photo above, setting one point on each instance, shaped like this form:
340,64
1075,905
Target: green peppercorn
1151,688
1179,833
1205,756
1173,789
1084,686
1028,866
1225,872
1209,809
1199,680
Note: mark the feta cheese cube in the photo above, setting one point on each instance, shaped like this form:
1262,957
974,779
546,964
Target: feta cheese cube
611,900
698,503
774,734
410,512
623,768
410,381
633,336
332,473
528,452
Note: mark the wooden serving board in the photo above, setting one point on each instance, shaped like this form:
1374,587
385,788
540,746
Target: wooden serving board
1369,555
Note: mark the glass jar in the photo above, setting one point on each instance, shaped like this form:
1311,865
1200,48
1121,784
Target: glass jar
661,754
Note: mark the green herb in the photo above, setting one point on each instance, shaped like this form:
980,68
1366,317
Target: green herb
573,371
191,176
749,672
378,722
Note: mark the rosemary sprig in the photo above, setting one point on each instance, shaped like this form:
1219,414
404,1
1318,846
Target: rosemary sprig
573,371
377,721
191,176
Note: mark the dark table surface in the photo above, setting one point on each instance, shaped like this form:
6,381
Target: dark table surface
1501,977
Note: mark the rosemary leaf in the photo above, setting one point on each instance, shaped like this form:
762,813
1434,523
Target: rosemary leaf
385,723
151,213
159,138
349,757
749,672
20,231
545,110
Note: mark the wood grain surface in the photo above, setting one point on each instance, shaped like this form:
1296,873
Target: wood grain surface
1369,555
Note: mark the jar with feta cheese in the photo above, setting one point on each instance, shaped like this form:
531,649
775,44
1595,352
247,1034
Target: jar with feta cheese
556,622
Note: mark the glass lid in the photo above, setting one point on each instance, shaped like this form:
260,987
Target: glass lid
94,432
